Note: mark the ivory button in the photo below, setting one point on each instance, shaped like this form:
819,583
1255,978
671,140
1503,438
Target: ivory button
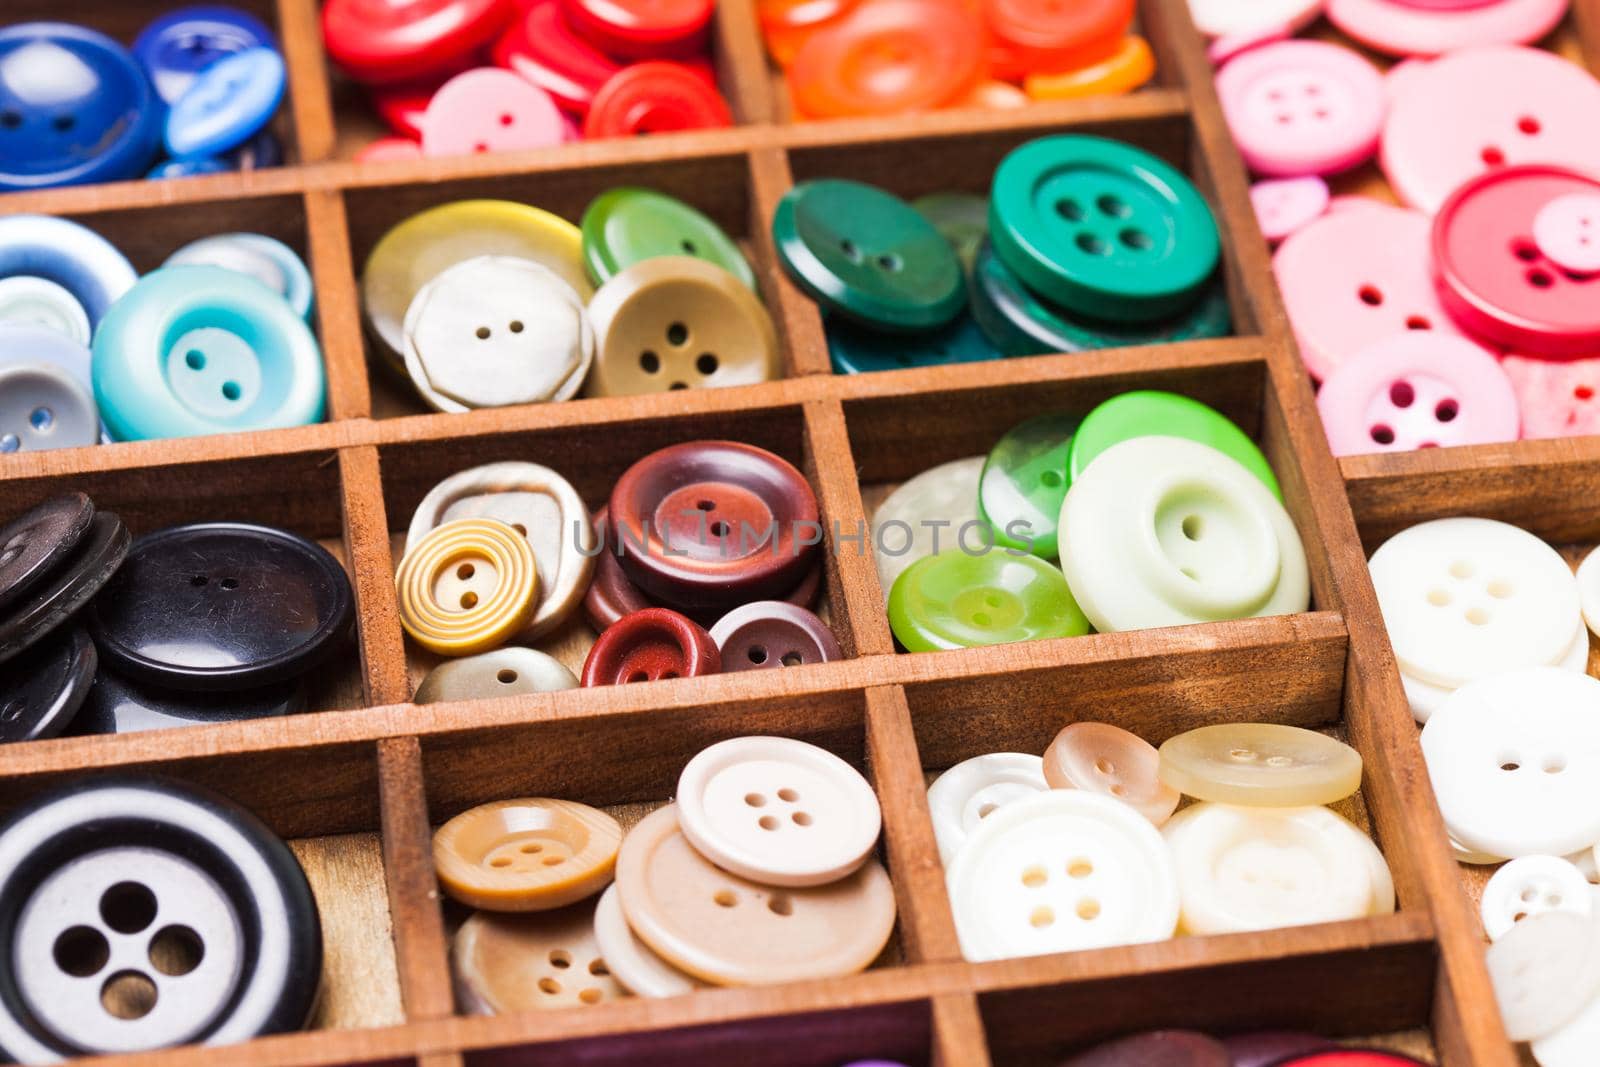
924,516
532,854
1260,764
1425,699
506,964
644,973
1107,759
31,301
1532,885
1545,972
972,790
1589,591
468,586
510,671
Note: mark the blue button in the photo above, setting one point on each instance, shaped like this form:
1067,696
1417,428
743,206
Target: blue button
30,346
857,349
177,46
203,350
227,104
189,168
75,107
266,259
262,150
73,256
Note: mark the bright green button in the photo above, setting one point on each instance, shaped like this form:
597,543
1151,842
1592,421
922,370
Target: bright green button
957,600
1147,413
963,218
626,225
868,255
1102,228
1021,324
857,350
1024,482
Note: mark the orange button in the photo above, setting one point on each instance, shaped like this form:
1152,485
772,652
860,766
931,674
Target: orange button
1028,36
526,855
1122,72
788,24
889,57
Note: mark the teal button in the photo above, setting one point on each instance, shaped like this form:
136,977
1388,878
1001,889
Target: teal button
961,600
858,350
1102,228
1024,482
963,218
623,226
1148,413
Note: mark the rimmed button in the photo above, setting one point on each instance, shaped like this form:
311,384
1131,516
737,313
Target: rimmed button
1302,107
1567,231
67,587
531,854
510,671
972,790
35,543
71,255
1127,68
43,406
769,634
379,41
1545,972
925,512
960,599
1233,18
266,259
963,219
38,352
40,697
119,706
1151,412
889,57
489,110
1260,765
1556,397
506,964
178,45
623,226
227,104
1035,35
638,29
1529,886
1024,482
541,47
648,646
29,301
655,97
468,586
1422,28
1103,758
634,963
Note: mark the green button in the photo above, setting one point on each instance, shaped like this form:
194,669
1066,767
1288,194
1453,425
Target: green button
1021,324
1147,413
1102,228
958,600
868,255
1024,482
963,218
858,349
624,226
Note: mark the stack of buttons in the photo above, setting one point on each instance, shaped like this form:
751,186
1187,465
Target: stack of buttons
1262,1048
460,77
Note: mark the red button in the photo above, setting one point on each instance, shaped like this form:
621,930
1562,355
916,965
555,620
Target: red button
1048,37
655,98
543,49
889,57
490,110
381,41
650,645
1494,279
642,29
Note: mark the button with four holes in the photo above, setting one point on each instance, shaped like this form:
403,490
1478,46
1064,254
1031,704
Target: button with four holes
468,586
505,964
1302,107
532,854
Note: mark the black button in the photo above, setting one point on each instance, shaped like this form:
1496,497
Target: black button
67,587
118,706
35,541
40,693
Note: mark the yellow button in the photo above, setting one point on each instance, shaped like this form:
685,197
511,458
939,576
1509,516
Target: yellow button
1129,67
506,964
532,854
1259,764
467,587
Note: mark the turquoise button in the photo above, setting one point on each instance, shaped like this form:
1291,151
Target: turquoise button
858,350
1150,413
1023,483
1102,228
226,104
193,350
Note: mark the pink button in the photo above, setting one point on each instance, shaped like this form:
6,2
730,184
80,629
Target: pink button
1470,111
1230,18
387,149
1302,107
1567,231
1417,389
1417,28
489,110
1497,282
1222,49
1558,397
1284,205
1355,276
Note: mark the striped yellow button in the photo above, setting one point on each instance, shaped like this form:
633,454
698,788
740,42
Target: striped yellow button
467,587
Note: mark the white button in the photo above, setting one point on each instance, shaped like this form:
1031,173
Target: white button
1163,531
631,961
1426,699
1574,1044
778,811
1465,598
1545,971
1216,18
229,253
33,301
1531,886
497,330
924,516
43,406
1515,762
1567,230
1589,590
1472,858
1061,871
973,789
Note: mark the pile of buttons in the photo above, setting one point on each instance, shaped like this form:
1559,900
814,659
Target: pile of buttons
760,872
461,77
485,303
214,341
889,57
1151,510
1083,243
199,87
1264,1048
1081,849
210,622
1467,314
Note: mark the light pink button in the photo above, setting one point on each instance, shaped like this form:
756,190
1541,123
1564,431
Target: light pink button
1418,28
1302,107
1417,389
1224,48
1284,205
1355,276
489,110
1567,231
1558,397
1244,18
1496,281
1470,111
386,149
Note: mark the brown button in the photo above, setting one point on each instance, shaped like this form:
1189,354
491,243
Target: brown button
1107,759
531,854
729,930
648,646
677,322
510,963
772,633
510,671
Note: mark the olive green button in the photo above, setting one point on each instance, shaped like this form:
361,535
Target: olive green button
1024,482
963,218
960,600
623,226
868,255
1102,228
856,349
1147,412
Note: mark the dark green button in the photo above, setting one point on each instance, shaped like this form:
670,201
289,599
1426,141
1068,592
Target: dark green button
867,254
958,600
625,225
1024,482
1021,324
858,349
1102,228
963,218
1146,413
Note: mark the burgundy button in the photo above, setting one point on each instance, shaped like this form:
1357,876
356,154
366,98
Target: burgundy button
1266,1047
650,645
1157,1048
773,633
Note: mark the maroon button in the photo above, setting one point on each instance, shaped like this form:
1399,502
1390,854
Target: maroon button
1266,1047
772,633
650,645
1158,1048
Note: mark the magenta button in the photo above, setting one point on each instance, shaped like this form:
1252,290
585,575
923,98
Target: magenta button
489,110
1302,107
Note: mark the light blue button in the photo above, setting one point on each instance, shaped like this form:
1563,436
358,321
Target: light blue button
29,345
266,259
189,168
73,256
227,104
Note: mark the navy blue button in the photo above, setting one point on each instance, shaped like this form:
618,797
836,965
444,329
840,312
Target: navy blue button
180,44
75,107
856,349
40,693
226,104
73,256
118,706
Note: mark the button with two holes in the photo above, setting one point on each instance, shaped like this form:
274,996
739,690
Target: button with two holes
769,634
964,599
468,586
650,645
227,103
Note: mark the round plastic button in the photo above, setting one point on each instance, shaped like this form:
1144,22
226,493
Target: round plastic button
509,671
86,265
489,110
625,225
118,706
44,406
1567,232
1426,698
889,57
1302,107
1557,397
857,349
1024,482
542,48
1107,759
1352,1057
402,106
633,962
966,794
1102,228
655,97
963,219
769,634
1588,588
227,103
381,41
468,586
868,255
1123,71
1285,205
1532,886
1267,1047
66,587
1150,412
188,168
958,599
178,45
1260,765
1042,36
35,543
388,150
44,692
924,516
648,646
29,301
531,854
1155,1048
1236,18
642,29
1545,971
1416,28
504,964
266,259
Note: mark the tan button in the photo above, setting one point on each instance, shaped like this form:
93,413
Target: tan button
532,854
510,963
728,930
1107,759
542,506
638,968
467,587
1260,764
676,322
510,671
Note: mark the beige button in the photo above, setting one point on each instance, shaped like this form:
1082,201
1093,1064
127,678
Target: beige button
467,587
676,322
539,504
510,963
510,671
1260,764
1108,759
532,854
727,930
638,968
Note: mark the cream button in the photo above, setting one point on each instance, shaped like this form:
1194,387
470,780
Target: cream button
32,301
467,587
1546,972
505,964
531,854
510,671
1574,1043
1589,591
1426,699
1260,764
1471,857
632,962
972,790
1532,885
1107,759
924,516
